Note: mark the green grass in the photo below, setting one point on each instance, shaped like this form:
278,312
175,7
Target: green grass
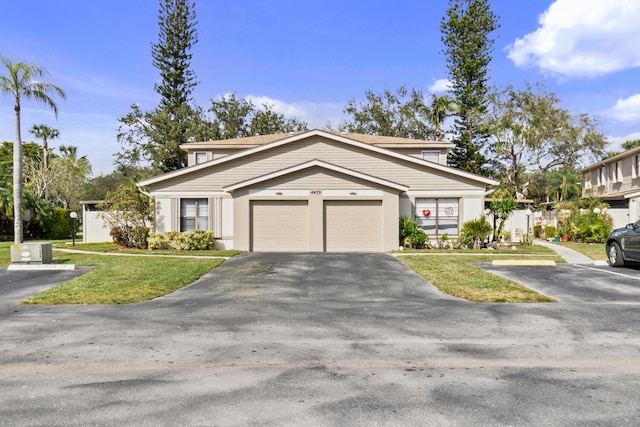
513,250
118,280
112,248
458,277
594,251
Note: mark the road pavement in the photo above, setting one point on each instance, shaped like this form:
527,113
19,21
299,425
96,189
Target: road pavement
322,339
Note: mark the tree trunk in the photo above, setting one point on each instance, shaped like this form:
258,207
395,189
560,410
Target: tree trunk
17,181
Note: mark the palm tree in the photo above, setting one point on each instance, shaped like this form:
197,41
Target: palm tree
20,84
441,108
45,133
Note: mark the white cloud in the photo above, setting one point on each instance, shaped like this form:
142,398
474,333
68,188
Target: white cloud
626,110
316,114
617,141
582,38
440,85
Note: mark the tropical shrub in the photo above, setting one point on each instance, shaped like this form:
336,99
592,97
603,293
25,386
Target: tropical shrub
410,233
478,229
527,239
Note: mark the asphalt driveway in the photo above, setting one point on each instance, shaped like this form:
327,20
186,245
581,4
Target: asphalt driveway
319,339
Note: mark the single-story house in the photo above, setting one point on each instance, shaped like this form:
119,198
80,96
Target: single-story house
315,191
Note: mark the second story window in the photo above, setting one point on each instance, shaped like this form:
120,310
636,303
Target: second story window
431,155
201,158
601,177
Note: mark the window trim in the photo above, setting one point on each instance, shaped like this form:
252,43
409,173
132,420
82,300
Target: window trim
195,157
197,217
437,213
436,152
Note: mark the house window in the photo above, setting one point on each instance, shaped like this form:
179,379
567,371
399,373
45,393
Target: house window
617,170
438,216
194,214
431,155
636,164
201,158
601,178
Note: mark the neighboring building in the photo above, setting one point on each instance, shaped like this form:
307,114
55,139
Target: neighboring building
316,191
616,181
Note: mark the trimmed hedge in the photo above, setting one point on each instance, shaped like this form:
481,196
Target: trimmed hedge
186,241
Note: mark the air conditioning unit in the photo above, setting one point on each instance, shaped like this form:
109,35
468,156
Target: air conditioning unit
32,253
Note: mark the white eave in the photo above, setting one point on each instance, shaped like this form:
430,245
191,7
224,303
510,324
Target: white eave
314,163
316,132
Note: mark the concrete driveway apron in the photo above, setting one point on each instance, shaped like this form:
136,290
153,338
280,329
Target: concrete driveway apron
320,339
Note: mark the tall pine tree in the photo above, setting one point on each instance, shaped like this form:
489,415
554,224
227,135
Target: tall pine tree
466,34
155,136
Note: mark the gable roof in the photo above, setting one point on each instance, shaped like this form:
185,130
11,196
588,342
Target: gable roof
325,134
254,141
316,163
614,159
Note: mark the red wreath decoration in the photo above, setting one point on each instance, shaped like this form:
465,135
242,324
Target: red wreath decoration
426,212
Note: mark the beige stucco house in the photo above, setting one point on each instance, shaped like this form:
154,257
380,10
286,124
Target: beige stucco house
616,181
315,191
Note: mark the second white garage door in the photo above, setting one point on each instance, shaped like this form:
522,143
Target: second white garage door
353,226
281,225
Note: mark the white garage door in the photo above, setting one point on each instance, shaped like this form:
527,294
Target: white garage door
279,225
353,226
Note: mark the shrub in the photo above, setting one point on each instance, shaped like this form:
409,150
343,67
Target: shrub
58,225
527,239
537,231
186,241
130,237
550,231
410,233
478,229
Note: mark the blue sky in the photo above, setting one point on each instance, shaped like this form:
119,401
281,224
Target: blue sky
309,58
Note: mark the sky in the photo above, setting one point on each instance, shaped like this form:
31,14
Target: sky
307,59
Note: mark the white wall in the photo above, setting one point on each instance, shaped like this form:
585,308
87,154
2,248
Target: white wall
94,229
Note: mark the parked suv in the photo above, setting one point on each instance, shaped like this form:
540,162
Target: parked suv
623,245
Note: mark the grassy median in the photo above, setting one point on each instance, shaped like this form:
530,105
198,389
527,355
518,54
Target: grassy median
120,280
456,275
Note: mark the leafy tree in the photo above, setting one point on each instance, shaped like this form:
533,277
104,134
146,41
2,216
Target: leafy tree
237,118
502,209
466,34
31,152
630,145
156,136
128,211
22,83
98,187
401,114
70,174
533,136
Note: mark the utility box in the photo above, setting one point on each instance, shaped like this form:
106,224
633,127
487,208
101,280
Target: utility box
32,253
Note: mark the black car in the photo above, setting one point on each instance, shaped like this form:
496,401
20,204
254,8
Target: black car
623,245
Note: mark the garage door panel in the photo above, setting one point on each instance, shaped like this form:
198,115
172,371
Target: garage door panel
281,225
353,226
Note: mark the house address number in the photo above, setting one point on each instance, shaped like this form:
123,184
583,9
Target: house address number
316,192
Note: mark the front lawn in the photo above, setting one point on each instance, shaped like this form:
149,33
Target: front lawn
594,251
118,280
457,276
